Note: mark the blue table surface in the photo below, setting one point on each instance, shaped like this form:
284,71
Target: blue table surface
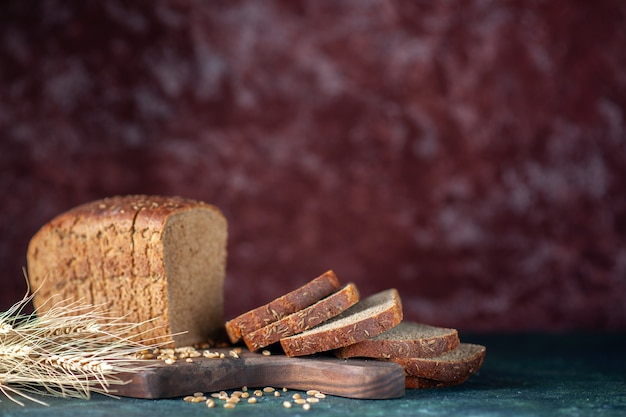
572,374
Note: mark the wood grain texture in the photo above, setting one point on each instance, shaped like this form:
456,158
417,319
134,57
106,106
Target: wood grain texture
353,378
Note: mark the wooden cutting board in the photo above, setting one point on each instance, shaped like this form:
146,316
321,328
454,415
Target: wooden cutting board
352,378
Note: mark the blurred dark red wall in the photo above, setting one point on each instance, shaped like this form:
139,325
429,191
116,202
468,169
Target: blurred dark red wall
471,154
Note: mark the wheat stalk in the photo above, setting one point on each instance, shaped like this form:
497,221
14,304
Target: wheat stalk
70,350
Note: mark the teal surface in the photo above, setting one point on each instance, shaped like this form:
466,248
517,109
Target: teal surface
523,375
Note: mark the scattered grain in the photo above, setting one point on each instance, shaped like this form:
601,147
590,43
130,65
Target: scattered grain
230,401
266,353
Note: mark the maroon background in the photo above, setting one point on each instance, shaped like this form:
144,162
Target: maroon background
470,153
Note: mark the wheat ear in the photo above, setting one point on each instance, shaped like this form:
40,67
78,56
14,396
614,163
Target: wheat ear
70,350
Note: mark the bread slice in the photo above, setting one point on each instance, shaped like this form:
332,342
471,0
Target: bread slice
142,258
415,382
367,318
289,303
456,365
406,340
304,319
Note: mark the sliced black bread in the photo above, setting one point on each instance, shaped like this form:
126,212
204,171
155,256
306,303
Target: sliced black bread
302,320
282,306
406,340
455,365
415,382
367,318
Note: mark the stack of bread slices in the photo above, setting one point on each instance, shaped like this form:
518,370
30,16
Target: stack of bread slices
324,316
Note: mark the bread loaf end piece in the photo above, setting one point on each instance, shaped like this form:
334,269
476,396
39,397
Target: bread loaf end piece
142,257
367,318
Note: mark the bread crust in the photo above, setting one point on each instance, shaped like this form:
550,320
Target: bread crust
282,306
387,345
302,320
308,343
452,366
